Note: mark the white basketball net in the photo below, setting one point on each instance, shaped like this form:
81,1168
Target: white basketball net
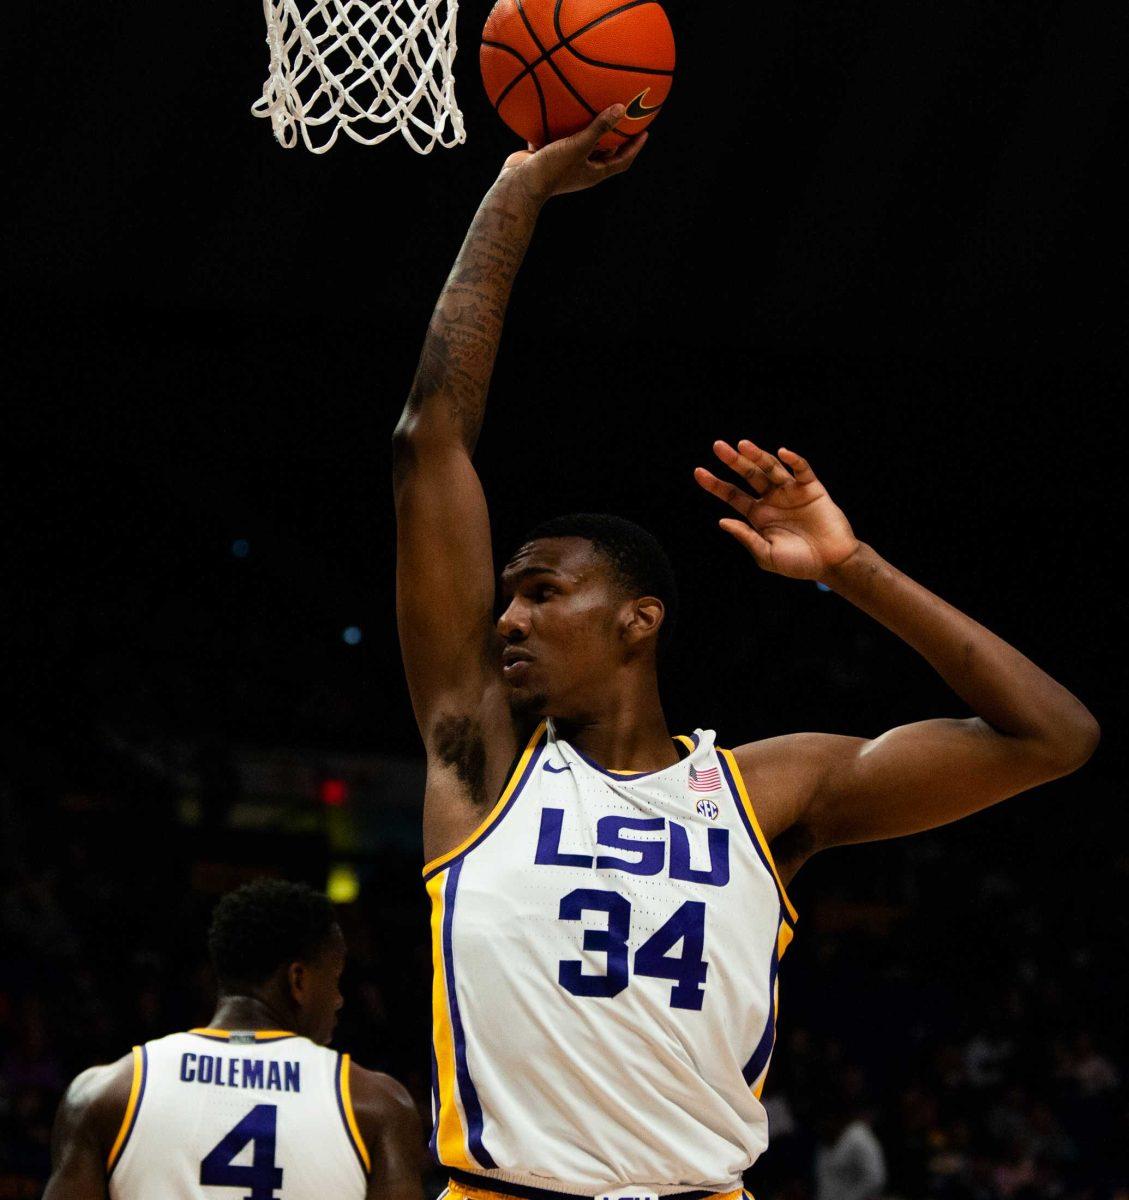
365,67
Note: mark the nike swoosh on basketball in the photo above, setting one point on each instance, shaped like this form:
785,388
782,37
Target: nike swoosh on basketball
557,770
637,110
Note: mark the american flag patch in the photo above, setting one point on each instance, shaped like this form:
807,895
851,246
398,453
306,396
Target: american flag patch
708,780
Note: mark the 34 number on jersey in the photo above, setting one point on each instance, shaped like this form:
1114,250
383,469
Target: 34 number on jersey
653,958
262,1177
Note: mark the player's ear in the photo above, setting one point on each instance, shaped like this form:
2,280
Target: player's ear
297,978
645,615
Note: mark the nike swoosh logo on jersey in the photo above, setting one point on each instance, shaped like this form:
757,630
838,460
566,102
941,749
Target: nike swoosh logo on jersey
557,770
637,110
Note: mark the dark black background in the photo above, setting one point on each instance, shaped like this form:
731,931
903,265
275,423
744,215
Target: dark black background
887,235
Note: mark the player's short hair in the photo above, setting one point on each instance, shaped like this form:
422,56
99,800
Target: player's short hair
636,557
264,925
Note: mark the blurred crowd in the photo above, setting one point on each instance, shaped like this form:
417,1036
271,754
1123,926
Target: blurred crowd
951,1016
967,1121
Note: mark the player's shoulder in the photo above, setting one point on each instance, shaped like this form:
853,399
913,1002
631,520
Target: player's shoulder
380,1096
96,1100
91,1087
784,774
797,753
384,1109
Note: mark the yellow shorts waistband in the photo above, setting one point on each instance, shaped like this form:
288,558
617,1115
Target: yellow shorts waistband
465,1187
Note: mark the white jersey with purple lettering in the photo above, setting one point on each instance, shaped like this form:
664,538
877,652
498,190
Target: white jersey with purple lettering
606,950
215,1114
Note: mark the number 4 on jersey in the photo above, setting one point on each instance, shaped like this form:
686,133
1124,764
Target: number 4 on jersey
262,1176
688,925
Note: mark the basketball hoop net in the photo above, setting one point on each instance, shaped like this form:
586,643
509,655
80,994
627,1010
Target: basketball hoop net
369,68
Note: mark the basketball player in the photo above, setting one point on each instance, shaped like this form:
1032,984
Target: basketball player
253,1106
609,905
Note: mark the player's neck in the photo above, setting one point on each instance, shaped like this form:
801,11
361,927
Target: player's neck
248,1012
629,734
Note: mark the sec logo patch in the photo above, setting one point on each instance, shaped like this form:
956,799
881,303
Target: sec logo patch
707,808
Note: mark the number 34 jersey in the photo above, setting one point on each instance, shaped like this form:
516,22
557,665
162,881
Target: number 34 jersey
221,1115
606,950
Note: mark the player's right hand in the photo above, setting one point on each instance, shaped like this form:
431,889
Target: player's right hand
572,163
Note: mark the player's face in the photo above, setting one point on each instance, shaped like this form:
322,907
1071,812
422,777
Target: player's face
561,627
320,994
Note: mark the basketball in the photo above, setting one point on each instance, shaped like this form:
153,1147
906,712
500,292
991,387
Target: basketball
550,66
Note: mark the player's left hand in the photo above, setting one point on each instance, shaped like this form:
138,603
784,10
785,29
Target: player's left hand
790,524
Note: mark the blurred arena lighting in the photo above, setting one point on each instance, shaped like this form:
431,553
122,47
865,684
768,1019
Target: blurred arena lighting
342,886
333,792
241,547
352,635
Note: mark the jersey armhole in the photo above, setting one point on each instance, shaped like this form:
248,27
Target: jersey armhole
348,1116
748,814
518,773
129,1120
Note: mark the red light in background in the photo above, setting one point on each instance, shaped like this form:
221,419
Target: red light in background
333,791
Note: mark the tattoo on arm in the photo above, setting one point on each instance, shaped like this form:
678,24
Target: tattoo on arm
462,340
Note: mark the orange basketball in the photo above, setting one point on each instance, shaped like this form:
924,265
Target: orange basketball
550,66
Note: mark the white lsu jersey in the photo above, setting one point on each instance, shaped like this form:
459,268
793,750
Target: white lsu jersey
606,948
220,1115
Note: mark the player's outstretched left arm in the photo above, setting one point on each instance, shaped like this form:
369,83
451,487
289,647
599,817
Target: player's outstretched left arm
1028,729
390,1127
86,1126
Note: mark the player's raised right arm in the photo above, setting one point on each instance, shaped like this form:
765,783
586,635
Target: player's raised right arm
445,572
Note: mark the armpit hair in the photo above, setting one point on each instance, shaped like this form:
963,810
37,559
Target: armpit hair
459,742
